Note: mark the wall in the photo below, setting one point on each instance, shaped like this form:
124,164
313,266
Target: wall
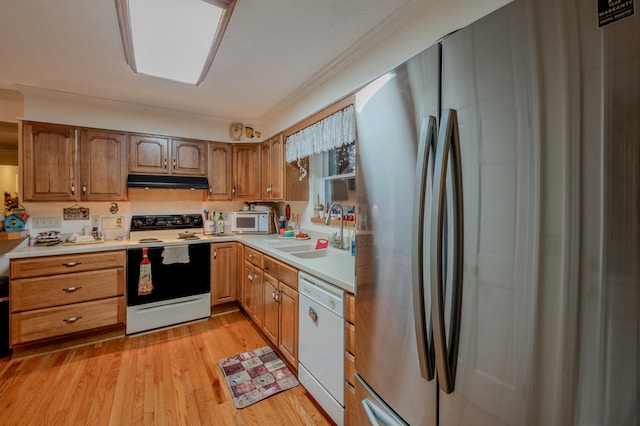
41,105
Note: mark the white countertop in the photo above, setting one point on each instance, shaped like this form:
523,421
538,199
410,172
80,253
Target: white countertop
338,269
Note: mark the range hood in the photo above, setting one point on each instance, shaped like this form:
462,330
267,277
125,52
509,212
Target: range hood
167,181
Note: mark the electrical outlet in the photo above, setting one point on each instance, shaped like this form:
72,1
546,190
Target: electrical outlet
95,220
42,222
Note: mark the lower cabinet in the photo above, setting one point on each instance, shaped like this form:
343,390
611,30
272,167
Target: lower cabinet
223,273
59,296
268,292
253,287
281,307
350,360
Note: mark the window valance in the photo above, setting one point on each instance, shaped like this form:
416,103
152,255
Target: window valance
332,132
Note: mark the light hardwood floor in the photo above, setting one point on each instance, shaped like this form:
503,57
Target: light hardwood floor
167,377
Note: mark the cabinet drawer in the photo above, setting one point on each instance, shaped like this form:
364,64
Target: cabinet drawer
54,322
350,338
44,292
281,271
349,368
349,404
253,256
350,307
61,264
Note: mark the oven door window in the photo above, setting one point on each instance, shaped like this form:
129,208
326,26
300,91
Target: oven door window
169,281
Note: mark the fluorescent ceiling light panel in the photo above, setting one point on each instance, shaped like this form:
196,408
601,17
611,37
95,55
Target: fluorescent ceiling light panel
171,38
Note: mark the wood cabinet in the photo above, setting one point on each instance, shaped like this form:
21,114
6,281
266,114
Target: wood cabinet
240,272
246,172
350,360
253,285
223,273
103,165
66,295
162,155
220,174
272,163
64,163
281,307
50,165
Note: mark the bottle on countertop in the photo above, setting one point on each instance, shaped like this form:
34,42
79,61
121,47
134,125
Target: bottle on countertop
220,224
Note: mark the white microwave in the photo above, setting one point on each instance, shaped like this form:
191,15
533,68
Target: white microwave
252,222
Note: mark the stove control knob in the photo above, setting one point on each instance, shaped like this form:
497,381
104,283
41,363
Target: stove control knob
187,219
149,220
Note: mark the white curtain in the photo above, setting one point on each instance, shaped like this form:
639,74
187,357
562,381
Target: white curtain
334,131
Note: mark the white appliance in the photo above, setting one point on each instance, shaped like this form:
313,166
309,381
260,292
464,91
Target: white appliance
321,343
498,224
252,222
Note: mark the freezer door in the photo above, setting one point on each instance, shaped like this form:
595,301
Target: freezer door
486,82
390,114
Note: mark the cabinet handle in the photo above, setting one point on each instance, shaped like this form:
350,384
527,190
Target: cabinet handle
164,166
73,187
251,256
233,189
250,276
174,164
210,189
215,253
84,187
71,264
70,320
71,289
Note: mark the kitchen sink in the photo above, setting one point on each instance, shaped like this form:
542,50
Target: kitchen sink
297,247
315,254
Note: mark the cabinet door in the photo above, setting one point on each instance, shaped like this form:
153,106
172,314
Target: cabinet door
103,165
288,338
271,311
188,157
277,168
148,154
272,163
265,164
296,189
223,272
246,172
220,177
253,302
240,272
50,166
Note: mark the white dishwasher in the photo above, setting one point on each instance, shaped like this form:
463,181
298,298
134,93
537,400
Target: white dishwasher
321,343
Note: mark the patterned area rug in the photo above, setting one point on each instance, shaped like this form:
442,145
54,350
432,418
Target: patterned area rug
255,375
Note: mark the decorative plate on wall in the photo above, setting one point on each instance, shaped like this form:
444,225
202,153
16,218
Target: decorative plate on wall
235,131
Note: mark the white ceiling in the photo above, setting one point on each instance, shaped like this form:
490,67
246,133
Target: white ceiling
272,51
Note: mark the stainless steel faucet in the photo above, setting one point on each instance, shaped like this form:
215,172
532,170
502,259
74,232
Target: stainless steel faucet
338,241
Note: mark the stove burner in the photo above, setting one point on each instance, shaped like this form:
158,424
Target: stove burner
188,237
149,240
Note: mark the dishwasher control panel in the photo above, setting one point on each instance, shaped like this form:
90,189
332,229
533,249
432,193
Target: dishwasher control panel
321,292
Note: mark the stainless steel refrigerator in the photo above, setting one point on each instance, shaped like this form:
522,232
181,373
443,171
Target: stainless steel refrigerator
497,243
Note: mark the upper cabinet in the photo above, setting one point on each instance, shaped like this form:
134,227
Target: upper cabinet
50,166
161,155
246,172
220,176
272,160
103,165
65,163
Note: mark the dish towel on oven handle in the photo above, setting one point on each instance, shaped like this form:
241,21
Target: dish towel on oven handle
175,254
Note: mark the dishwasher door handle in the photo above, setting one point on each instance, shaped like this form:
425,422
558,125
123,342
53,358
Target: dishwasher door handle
313,315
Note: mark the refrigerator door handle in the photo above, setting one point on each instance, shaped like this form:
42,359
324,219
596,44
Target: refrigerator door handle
447,348
423,179
376,416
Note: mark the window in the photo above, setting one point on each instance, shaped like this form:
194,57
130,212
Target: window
339,177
